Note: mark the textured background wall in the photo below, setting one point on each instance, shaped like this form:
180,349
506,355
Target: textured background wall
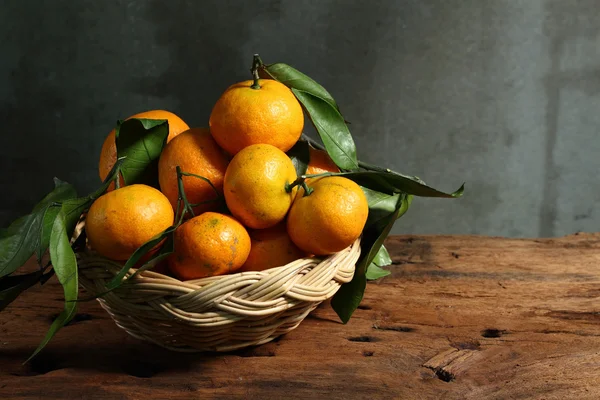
501,93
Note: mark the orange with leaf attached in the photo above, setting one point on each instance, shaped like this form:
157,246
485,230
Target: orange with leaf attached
108,154
267,114
195,152
330,218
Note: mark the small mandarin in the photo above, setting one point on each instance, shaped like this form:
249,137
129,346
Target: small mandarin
122,220
271,247
255,186
244,116
208,245
331,218
196,152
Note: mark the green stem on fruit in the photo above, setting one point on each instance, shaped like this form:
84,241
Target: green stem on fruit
301,181
117,182
113,175
256,64
371,167
187,208
179,211
205,180
321,175
313,142
307,190
182,198
290,186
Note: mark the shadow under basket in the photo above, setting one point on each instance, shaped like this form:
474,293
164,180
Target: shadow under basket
220,313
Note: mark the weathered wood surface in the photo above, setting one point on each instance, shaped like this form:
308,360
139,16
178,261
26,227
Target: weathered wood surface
459,318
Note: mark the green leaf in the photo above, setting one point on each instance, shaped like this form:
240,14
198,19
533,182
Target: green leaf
380,205
73,208
115,170
295,79
346,301
408,202
348,298
323,112
374,235
137,255
12,286
382,258
393,182
46,228
384,210
299,154
18,243
141,141
36,232
374,272
14,226
62,190
331,128
64,264
25,235
167,249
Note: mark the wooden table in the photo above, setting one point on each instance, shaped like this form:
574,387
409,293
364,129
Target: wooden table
461,317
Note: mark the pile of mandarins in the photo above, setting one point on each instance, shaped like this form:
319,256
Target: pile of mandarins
247,213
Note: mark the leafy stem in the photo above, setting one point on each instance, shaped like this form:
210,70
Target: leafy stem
301,181
187,207
307,190
163,239
361,164
183,173
113,175
182,199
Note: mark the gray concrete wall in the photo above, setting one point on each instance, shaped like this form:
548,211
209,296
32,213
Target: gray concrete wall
503,94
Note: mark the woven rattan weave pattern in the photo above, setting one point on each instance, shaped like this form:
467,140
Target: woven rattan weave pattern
219,313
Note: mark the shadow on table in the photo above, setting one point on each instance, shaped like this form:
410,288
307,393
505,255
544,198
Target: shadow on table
132,358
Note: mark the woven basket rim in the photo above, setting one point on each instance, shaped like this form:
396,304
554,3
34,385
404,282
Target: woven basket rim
217,313
276,274
87,252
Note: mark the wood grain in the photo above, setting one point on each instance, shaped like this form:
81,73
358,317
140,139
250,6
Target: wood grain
461,317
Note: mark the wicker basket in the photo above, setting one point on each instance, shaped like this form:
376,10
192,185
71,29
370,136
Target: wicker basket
219,313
